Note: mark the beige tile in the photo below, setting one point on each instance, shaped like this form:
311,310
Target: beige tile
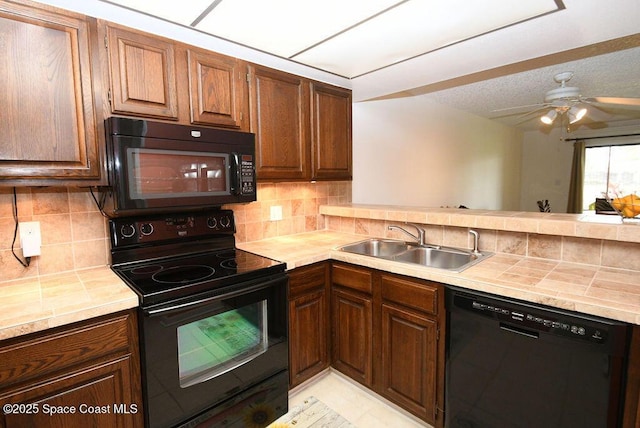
581,250
7,225
80,200
55,228
11,269
544,246
50,200
90,253
88,225
359,406
55,258
511,243
596,231
456,237
621,255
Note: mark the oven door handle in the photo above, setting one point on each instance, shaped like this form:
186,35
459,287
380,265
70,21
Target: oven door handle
244,290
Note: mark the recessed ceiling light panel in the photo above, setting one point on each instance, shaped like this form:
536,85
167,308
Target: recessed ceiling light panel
286,27
398,35
182,12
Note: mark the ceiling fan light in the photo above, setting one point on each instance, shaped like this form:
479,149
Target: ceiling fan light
575,114
548,118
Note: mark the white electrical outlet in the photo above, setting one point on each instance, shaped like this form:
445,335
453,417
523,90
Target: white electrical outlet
30,239
276,213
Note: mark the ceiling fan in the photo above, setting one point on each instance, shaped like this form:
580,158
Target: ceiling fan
567,103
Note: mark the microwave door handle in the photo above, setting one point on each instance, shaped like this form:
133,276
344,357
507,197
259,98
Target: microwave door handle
237,179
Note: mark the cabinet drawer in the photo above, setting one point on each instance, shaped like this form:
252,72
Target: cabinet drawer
352,277
51,352
307,278
417,295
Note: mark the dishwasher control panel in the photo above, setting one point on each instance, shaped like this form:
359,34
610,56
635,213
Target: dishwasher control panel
538,321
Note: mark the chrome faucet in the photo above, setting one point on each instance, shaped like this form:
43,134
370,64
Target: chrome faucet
419,237
475,241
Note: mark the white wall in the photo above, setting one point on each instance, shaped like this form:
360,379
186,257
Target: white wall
546,170
413,151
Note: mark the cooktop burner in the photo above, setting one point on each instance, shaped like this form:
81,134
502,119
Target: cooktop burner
183,274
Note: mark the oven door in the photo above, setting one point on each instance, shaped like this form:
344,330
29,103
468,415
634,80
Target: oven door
202,352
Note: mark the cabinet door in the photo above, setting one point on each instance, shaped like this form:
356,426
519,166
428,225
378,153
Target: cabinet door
92,397
218,89
409,360
331,134
47,125
280,120
308,336
308,322
352,335
143,75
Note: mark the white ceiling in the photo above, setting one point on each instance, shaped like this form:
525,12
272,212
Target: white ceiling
348,38
477,56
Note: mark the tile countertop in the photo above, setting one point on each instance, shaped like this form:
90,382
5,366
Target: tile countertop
607,292
35,304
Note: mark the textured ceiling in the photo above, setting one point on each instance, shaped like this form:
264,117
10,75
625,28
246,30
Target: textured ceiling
615,74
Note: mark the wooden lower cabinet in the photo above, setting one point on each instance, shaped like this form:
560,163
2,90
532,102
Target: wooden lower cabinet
308,322
85,374
387,334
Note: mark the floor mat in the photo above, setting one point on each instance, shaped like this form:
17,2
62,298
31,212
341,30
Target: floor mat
312,413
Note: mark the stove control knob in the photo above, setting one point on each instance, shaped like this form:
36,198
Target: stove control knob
127,230
146,229
225,222
212,223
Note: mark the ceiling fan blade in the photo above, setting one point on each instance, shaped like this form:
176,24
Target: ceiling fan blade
525,107
615,100
529,115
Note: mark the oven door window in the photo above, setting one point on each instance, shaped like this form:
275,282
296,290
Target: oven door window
219,343
156,174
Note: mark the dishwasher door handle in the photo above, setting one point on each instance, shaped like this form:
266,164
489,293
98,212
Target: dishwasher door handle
518,330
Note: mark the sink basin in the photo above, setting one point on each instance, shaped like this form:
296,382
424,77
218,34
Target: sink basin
452,259
441,258
384,248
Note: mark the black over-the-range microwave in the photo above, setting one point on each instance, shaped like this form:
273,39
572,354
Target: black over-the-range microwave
157,167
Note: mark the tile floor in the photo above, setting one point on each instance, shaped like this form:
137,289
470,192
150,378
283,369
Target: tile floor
362,408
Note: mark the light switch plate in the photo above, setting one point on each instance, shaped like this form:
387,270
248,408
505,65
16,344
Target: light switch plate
30,238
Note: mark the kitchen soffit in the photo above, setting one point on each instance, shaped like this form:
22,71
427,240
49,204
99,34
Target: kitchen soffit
348,38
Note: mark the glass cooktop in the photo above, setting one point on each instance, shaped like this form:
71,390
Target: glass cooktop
194,272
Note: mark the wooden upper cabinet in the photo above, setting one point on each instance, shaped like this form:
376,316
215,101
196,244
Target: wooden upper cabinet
280,120
331,132
47,125
143,74
218,89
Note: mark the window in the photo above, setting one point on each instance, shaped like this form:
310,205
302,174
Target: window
614,169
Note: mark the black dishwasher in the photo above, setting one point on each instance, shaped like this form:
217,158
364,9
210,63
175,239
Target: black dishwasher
515,364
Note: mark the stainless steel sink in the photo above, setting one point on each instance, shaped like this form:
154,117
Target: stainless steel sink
441,258
383,248
453,259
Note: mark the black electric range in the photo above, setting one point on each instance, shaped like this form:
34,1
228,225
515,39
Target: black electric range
213,321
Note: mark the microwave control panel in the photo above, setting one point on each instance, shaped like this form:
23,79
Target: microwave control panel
247,175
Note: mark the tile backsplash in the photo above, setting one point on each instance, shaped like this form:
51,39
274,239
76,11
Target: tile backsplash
74,232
